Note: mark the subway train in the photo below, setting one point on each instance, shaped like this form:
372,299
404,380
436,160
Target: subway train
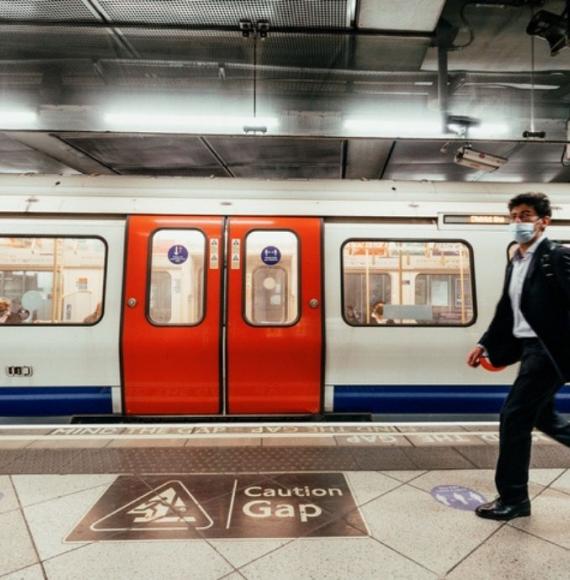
140,296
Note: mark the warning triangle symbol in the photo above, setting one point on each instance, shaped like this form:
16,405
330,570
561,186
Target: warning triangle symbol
169,506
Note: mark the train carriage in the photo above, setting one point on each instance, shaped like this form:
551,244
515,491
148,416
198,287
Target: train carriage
131,296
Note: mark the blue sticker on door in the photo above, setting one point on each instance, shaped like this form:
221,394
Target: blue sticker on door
270,255
178,254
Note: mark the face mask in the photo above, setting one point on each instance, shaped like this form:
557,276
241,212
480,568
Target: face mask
522,232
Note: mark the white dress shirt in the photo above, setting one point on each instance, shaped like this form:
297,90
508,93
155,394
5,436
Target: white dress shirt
521,263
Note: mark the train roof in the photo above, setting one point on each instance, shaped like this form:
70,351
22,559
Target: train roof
34,194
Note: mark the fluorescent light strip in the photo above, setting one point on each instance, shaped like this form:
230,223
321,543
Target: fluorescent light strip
157,122
394,128
17,117
489,130
420,128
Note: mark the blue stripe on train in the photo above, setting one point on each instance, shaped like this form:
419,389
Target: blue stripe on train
428,398
45,401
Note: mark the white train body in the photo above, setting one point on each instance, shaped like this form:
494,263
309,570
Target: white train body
82,365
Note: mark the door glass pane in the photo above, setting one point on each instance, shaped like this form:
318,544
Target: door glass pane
177,277
271,278
51,280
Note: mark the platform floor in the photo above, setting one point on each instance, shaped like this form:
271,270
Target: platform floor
272,501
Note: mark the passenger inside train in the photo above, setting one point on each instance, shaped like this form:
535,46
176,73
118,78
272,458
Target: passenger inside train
4,310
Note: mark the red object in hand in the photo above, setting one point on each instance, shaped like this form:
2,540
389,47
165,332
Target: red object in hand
486,364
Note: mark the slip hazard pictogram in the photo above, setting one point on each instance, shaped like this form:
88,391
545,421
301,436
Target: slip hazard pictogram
170,506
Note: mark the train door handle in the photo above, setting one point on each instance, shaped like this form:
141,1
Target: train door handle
314,303
131,302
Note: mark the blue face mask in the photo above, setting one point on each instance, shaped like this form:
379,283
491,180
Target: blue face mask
522,231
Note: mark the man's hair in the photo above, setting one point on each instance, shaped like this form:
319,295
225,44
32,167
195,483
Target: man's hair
538,201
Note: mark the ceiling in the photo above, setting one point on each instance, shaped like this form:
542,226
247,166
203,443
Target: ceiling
347,89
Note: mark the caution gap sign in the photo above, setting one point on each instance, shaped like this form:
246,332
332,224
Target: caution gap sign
223,506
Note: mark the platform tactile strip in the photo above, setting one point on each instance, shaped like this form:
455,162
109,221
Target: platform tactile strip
260,459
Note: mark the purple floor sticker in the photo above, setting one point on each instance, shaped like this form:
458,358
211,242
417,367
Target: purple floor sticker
457,497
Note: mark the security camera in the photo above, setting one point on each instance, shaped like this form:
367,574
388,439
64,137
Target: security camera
246,27
262,27
553,28
469,157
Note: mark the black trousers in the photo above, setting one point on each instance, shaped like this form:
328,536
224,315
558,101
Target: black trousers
529,404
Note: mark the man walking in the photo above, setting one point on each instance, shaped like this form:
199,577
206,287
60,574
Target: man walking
531,325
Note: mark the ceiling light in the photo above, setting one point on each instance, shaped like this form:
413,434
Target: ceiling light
392,128
154,122
489,130
471,127
15,119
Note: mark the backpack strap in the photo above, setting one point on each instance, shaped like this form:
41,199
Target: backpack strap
546,261
549,271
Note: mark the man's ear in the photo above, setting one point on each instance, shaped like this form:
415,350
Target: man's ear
546,221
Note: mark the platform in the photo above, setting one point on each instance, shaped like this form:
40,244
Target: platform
272,501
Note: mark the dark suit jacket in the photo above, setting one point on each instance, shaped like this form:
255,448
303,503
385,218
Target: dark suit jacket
545,304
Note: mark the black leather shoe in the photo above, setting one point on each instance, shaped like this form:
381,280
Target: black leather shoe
497,510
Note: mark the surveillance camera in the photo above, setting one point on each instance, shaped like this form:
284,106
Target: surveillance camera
263,27
552,27
246,27
478,159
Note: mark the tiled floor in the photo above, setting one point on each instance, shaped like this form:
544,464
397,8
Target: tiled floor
411,535
407,532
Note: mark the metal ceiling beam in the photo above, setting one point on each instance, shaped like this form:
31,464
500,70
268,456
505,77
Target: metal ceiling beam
366,157
122,44
342,31
219,159
457,78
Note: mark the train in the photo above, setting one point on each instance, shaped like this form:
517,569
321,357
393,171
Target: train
133,296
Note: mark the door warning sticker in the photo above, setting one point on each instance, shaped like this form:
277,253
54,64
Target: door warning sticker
235,253
214,253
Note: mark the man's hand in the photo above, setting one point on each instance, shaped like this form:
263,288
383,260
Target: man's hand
474,355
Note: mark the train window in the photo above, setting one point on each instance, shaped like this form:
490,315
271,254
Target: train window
177,277
51,280
271,278
424,283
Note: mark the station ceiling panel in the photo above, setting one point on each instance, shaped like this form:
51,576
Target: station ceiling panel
362,81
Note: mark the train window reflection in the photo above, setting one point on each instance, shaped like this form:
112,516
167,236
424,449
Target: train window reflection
407,282
271,278
51,280
177,277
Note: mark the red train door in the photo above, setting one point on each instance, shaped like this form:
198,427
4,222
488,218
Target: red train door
171,323
275,316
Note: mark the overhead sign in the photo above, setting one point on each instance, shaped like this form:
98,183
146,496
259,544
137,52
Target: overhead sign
495,220
222,506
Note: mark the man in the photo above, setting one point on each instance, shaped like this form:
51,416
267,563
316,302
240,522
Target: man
531,325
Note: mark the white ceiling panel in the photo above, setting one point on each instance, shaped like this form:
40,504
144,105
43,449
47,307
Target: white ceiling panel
409,15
